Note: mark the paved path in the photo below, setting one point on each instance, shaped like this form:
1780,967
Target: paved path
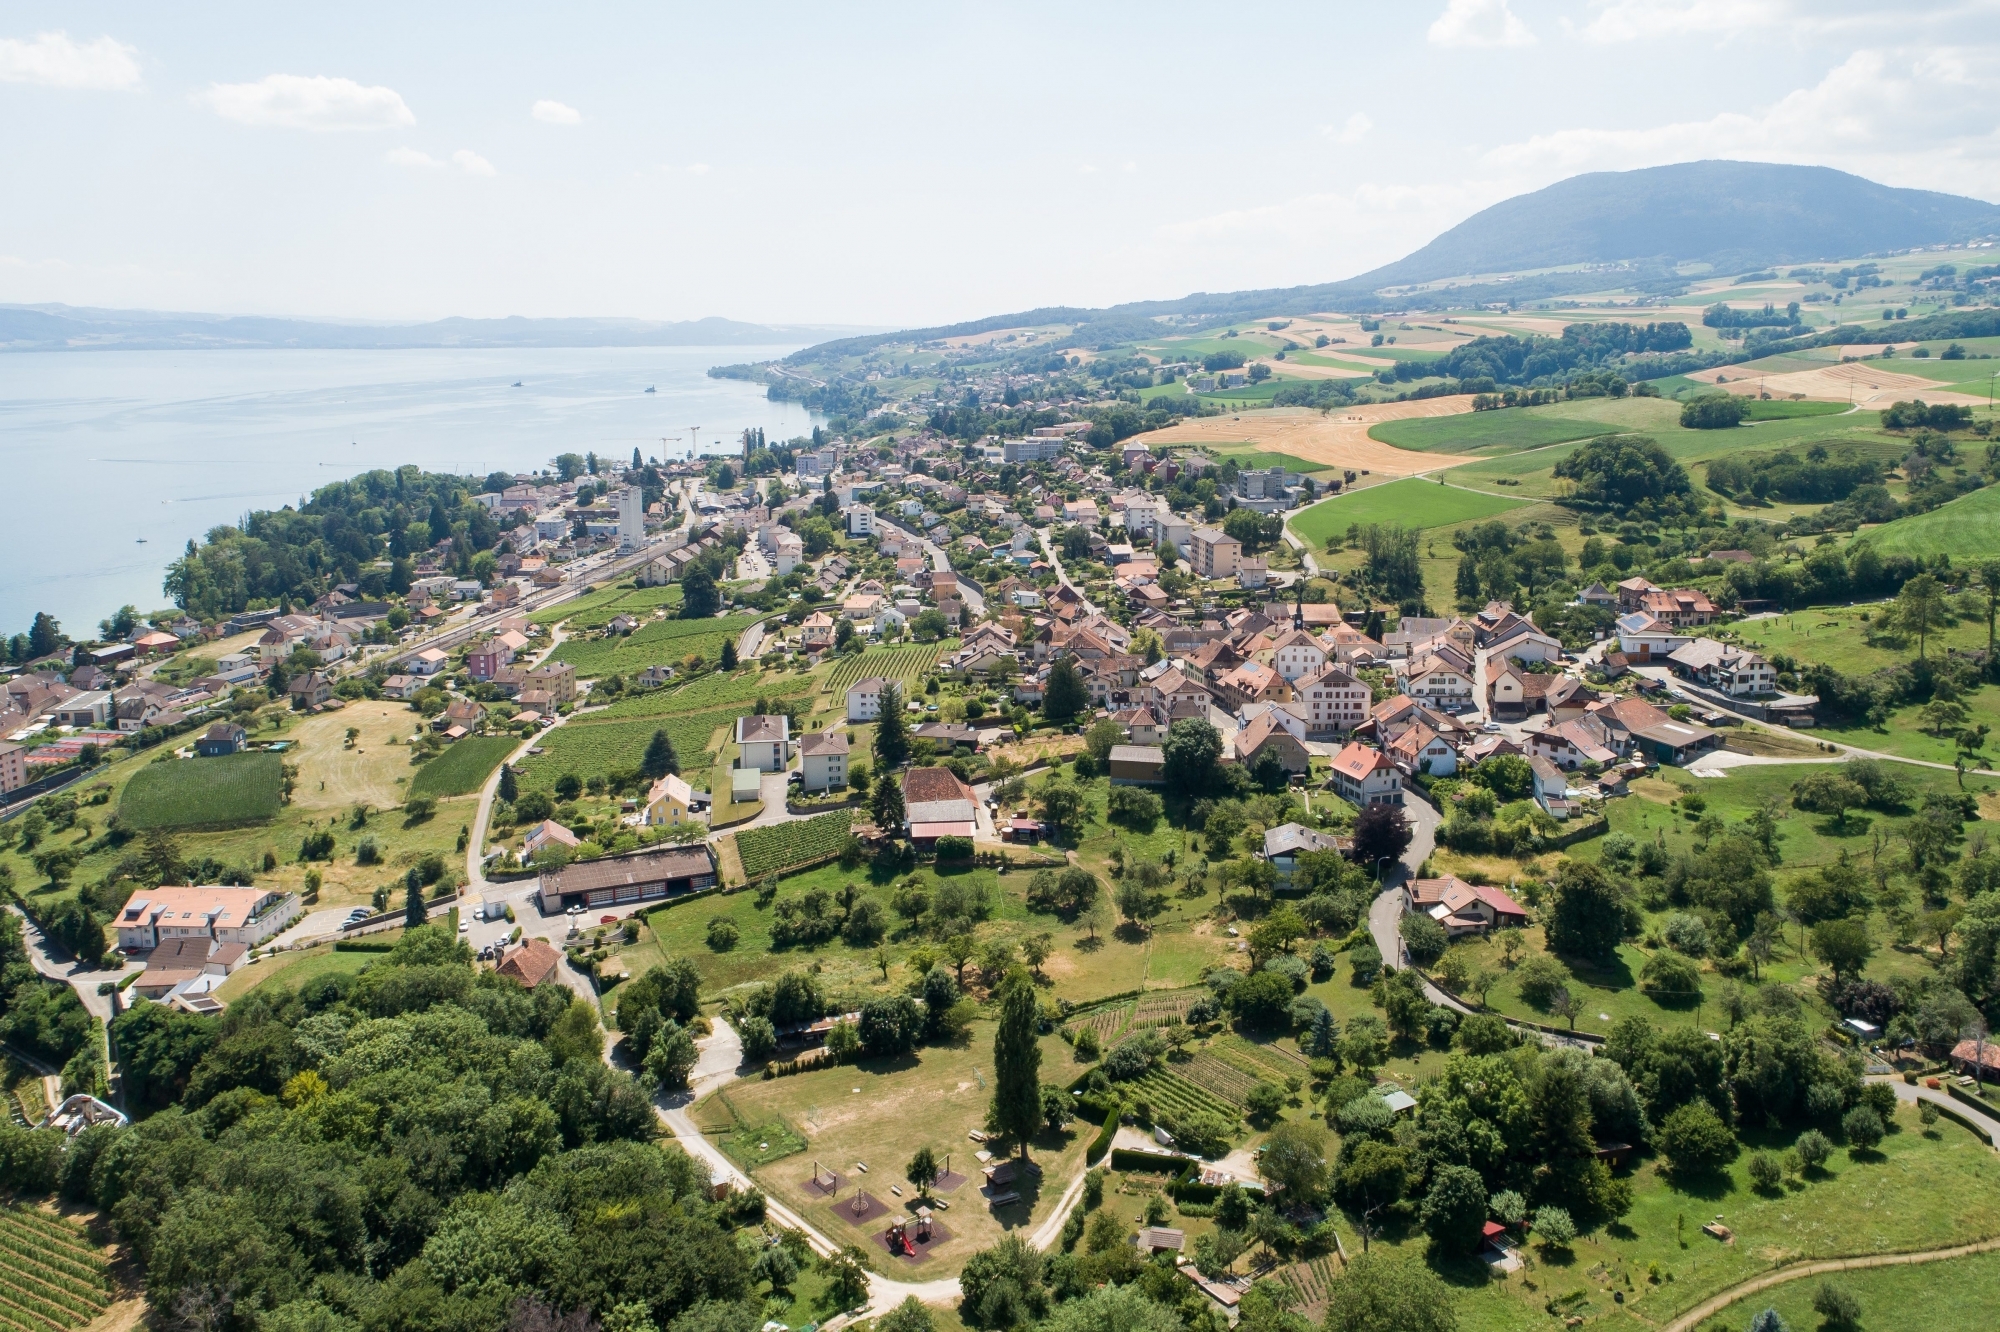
1715,1304
1984,1123
1062,574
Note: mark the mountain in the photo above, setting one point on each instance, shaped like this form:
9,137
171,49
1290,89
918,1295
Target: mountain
73,328
1734,216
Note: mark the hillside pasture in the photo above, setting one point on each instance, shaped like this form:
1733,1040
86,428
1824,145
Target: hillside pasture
1968,528
228,791
1411,502
374,770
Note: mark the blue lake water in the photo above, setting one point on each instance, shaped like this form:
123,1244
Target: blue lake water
101,449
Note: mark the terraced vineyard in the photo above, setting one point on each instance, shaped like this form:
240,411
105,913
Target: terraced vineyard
1173,1096
905,665
51,1276
1310,1280
782,846
1227,1081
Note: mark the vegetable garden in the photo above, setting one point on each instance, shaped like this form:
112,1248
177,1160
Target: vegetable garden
1212,1075
783,846
1159,1010
1108,1023
1175,1096
50,1273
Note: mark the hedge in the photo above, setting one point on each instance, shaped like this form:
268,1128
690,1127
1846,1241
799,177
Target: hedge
954,848
1132,1158
1102,1143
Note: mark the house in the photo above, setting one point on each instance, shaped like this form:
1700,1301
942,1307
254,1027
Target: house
1569,698
864,699
461,713
1642,638
533,963
429,662
1143,725
1975,1058
13,767
1137,765
823,759
401,686
557,679
1632,591
86,709
937,804
1642,729
1571,744
1597,595
546,833
671,802
1440,675
310,690
1364,776
1335,702
1422,750
1160,1239
618,880
176,962
860,520
221,738
1265,736
1297,655
1214,553
764,743
1515,693
1525,643
246,916
1251,682
1462,908
485,659
948,736
1682,607
816,632
1551,786
1736,671
1285,843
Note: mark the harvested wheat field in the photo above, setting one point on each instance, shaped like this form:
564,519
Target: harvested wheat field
1867,383
334,776
1336,439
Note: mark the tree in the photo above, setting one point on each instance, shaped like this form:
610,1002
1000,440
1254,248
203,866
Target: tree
892,734
1554,1227
728,660
1095,916
1138,903
1695,1141
1454,1212
660,758
1862,1128
1378,1294
672,1057
44,635
1587,918
1036,949
1838,1309
1989,583
1919,608
909,1316
923,1170
1065,695
1618,472
1828,791
1381,833
699,598
1843,945
1017,1064
1062,805
885,804
1190,757
1056,1109
414,911
510,787
1101,738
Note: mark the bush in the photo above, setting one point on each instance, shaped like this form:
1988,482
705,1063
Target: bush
1838,1309
1813,1148
1540,978
1424,937
954,848
1202,1132
1670,980
1366,961
1765,1171
722,934
1087,1045
1132,1057
1264,1103
1136,809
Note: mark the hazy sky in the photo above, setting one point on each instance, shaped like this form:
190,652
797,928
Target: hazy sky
893,164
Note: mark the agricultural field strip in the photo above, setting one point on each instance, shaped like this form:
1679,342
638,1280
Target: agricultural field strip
1255,1059
1176,1094
1163,1010
1108,1023
783,845
73,1262
29,1268
704,695
1309,1280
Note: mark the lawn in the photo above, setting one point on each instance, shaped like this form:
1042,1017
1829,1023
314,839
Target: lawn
877,1113
1411,502
1967,529
1837,636
227,791
291,969
464,767
1962,1292
661,643
1509,428
373,770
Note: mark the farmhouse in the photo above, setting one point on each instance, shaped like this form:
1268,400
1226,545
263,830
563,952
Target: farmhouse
937,804
617,880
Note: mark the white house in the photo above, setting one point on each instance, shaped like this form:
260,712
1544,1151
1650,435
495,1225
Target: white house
864,699
860,520
1298,655
1364,776
1643,638
765,743
429,662
1335,703
823,759
1525,644
1442,676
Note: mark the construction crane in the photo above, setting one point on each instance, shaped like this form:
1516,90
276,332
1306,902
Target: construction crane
694,440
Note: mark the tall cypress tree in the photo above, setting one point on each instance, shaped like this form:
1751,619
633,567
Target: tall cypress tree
886,803
892,732
660,758
1066,694
510,788
414,911
1017,1063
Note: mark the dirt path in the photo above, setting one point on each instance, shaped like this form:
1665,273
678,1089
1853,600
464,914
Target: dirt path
1337,439
1715,1304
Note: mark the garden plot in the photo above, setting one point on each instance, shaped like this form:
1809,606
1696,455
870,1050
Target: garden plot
1221,1079
1161,1010
1108,1023
1176,1097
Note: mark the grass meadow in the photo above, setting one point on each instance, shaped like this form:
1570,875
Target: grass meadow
1411,502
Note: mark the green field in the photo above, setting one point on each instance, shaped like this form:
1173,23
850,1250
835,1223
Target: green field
1412,502
589,747
1783,409
598,608
1960,1292
464,767
1509,428
780,847
203,792
707,694
1255,458
1968,528
661,643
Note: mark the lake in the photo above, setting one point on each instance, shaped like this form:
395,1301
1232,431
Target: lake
100,450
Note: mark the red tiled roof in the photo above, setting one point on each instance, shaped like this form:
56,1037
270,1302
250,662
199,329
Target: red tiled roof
532,963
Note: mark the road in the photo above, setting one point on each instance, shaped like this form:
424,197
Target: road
968,591
1062,575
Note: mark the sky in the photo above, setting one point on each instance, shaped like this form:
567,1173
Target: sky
894,165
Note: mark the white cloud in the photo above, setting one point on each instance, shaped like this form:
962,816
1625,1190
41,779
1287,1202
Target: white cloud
293,101
472,164
697,168
410,157
1912,118
1479,23
1353,130
1636,20
555,113
55,60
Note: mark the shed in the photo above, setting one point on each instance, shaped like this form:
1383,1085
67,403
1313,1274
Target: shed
744,785
1157,1239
